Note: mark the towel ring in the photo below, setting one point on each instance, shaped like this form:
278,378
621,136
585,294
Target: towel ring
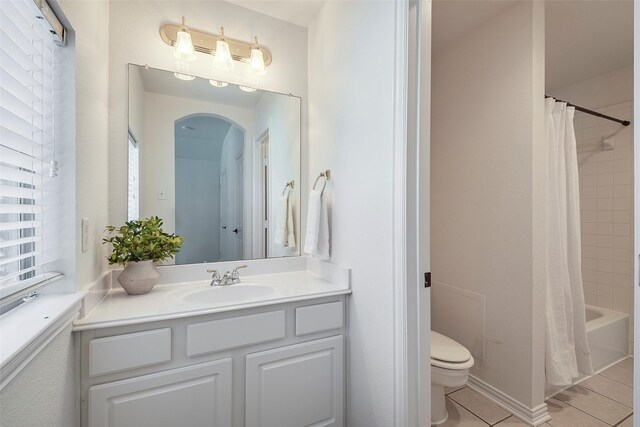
288,185
326,175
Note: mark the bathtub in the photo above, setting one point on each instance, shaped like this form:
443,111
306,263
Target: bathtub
608,336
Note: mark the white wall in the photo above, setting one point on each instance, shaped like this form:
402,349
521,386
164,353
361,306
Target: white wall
157,155
90,20
280,114
351,133
134,38
601,91
44,393
488,182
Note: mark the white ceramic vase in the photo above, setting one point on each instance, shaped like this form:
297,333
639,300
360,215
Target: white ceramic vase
139,277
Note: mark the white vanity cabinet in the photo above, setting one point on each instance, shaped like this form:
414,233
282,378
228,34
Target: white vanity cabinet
279,365
193,396
297,385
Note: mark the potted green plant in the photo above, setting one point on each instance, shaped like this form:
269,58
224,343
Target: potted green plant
138,245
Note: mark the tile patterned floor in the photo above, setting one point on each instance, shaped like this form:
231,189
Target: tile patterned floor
603,400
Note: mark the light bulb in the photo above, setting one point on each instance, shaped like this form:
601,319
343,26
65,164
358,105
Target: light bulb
247,88
256,60
183,48
218,83
222,58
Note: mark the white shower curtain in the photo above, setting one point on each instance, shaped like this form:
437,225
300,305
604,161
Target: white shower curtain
567,351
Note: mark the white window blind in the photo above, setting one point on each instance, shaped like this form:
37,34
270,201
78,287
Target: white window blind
28,194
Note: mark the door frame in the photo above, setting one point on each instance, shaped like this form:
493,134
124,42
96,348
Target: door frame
636,207
238,243
412,100
261,185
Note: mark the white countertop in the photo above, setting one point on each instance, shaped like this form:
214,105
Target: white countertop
177,300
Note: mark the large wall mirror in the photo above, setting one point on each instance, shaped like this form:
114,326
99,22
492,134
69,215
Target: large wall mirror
218,163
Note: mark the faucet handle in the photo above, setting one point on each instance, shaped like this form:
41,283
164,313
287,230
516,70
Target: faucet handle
215,277
235,270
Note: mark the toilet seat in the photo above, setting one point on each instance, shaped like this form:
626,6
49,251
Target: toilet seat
448,354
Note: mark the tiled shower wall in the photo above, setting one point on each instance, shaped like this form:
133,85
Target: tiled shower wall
606,204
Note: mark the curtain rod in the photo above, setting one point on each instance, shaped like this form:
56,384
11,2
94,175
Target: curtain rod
593,113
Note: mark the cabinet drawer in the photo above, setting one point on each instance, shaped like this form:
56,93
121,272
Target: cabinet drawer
318,318
217,335
129,351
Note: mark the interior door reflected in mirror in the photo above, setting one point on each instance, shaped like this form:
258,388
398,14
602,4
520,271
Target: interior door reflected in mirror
220,165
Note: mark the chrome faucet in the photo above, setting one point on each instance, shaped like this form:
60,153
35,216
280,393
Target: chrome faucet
228,278
216,279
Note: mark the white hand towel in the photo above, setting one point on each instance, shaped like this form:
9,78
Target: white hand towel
316,242
281,225
291,232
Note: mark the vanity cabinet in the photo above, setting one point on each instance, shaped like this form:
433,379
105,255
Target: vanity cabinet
298,385
280,365
193,396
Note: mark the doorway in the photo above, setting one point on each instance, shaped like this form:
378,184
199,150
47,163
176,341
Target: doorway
209,188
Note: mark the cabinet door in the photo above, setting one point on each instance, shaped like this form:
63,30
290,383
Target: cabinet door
193,396
295,386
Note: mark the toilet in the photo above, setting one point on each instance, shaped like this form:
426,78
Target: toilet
450,364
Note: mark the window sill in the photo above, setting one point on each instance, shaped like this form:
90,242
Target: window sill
26,330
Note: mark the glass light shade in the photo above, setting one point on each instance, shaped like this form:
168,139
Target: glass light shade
218,83
256,62
53,168
183,72
222,59
183,48
247,88
183,76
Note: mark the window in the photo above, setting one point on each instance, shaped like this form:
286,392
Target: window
134,180
29,208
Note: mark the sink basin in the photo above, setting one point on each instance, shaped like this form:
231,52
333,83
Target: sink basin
230,293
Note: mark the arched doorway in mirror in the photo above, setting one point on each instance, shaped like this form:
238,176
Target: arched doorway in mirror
209,157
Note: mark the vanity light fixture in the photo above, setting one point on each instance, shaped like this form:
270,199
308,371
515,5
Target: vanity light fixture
183,47
256,60
225,50
247,88
217,83
222,56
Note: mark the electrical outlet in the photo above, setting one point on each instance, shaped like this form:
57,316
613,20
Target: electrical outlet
85,234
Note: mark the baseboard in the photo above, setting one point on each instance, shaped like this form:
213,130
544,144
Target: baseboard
532,416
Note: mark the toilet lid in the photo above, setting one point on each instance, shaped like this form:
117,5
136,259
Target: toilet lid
447,350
